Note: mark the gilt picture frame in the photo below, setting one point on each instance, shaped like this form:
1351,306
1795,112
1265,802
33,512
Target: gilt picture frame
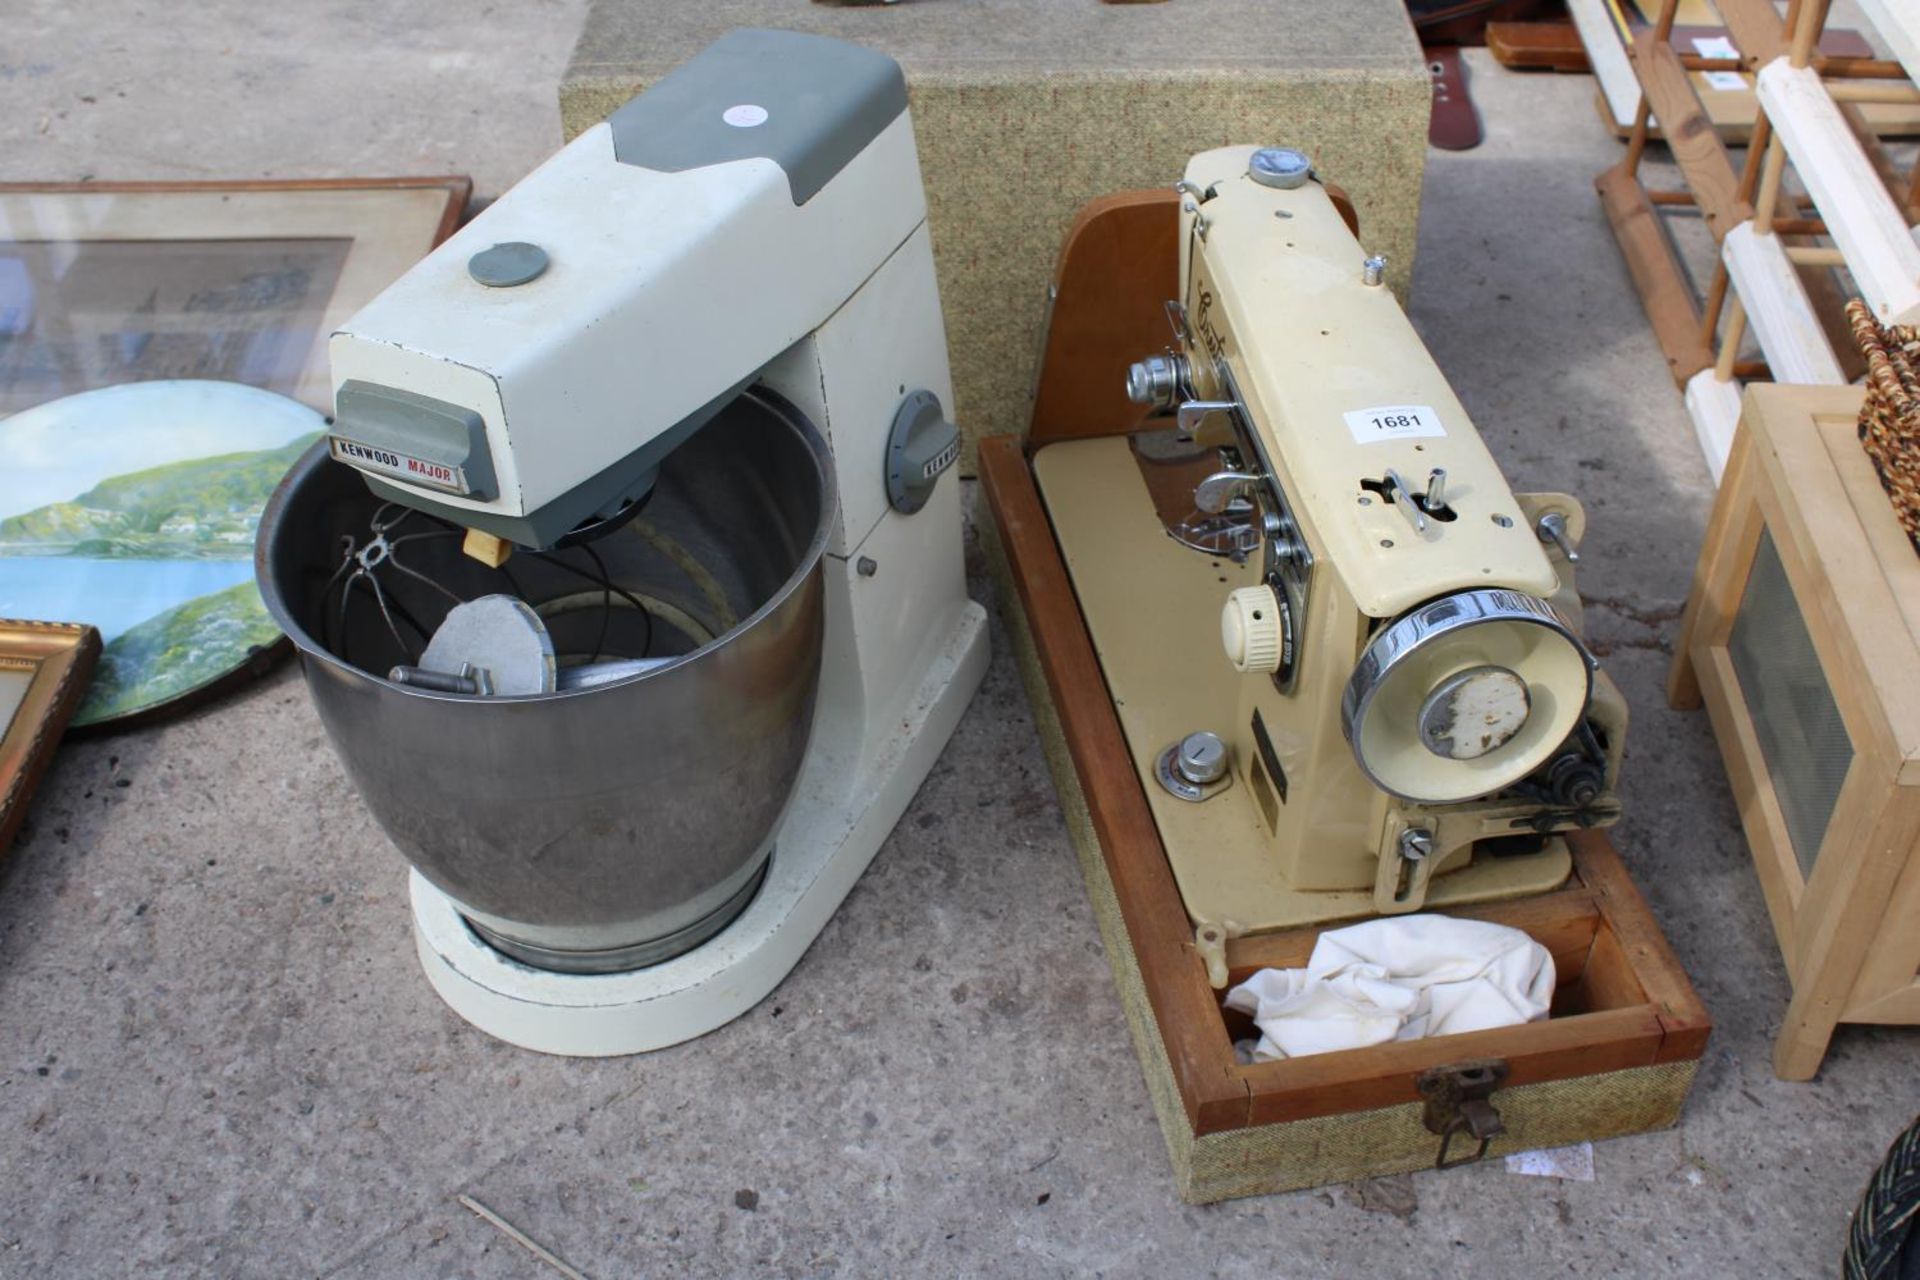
43,673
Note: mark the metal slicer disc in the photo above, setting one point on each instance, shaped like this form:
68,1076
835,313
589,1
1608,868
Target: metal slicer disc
501,636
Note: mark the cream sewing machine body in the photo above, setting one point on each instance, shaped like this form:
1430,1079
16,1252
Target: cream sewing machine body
1403,714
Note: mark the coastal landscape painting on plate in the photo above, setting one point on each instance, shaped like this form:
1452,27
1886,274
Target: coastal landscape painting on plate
163,362
133,508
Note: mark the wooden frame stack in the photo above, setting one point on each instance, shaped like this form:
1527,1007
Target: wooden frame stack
1801,503
1859,215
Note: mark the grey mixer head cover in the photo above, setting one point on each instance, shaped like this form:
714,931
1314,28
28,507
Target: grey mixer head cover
808,103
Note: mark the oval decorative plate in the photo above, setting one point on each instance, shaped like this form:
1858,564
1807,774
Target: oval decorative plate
133,508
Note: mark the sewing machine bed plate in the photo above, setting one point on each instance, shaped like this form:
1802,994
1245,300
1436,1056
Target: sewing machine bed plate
1153,609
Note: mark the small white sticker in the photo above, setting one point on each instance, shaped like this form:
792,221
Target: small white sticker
745,116
1394,422
1720,47
1573,1163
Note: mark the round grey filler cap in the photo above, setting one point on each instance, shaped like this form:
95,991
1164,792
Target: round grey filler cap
1281,167
507,264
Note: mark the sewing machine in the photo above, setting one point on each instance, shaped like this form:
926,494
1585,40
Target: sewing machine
1346,656
627,584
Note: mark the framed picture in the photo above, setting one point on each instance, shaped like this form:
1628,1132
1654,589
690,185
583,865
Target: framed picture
105,283
43,672
162,361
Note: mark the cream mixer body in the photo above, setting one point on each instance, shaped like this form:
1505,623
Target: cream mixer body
692,370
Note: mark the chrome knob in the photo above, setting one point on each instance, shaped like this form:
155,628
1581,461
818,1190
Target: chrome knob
1553,529
1155,381
1201,758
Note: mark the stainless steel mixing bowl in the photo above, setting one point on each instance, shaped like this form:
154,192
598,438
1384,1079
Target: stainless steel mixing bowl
606,827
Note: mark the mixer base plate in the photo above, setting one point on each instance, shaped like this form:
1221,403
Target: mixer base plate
621,959
840,815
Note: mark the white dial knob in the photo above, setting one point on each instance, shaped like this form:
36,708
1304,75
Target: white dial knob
1251,631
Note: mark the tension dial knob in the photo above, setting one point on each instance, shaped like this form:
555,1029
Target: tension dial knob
1201,758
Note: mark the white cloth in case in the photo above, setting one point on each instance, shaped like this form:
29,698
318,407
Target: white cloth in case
1397,978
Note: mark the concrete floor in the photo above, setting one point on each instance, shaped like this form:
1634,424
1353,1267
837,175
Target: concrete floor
218,1056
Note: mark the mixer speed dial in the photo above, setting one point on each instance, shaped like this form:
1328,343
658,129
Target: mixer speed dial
1256,631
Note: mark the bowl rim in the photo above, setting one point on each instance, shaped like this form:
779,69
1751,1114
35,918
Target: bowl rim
767,399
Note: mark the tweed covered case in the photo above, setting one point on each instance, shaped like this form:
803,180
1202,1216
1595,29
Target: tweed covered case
1290,1155
1617,1053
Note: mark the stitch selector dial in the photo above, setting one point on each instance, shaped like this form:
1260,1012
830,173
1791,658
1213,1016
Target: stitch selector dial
1255,630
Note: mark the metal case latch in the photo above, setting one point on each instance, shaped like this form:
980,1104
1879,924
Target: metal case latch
1459,1100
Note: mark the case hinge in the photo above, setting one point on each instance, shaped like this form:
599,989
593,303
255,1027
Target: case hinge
1460,1100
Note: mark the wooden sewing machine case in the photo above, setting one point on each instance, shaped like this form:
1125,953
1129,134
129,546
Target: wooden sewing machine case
1619,1052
